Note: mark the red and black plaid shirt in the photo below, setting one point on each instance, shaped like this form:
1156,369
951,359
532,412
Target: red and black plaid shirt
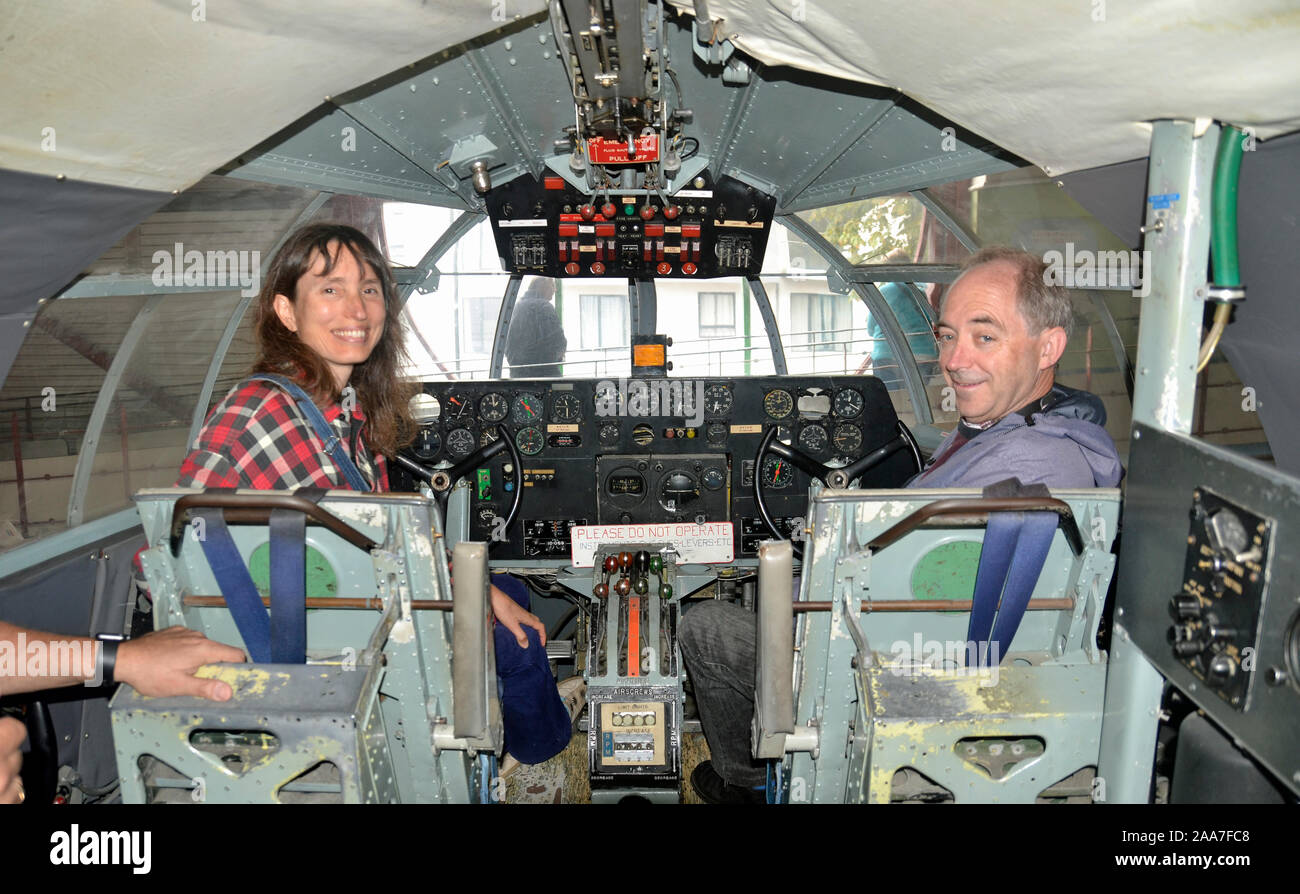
257,438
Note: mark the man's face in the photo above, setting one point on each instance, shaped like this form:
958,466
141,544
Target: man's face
988,356
339,315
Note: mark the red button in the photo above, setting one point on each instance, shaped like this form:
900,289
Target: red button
604,229
568,229
553,182
691,230
688,268
587,212
648,211
654,229
608,210
571,268
664,269
598,269
672,211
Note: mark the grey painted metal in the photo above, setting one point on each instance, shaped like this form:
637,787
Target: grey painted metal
901,272
645,306
504,108
428,264
1163,395
1169,334
839,267
729,132
1165,469
891,687
412,649
474,668
503,326
769,324
95,424
232,326
950,223
387,133
774,692
37,552
858,126
101,285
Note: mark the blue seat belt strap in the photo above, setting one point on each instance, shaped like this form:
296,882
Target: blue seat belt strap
236,584
1015,548
333,445
995,558
288,586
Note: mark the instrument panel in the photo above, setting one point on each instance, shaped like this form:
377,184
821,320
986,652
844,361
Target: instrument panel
616,451
548,228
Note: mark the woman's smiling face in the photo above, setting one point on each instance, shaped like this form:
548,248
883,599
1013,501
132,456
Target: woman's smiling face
338,313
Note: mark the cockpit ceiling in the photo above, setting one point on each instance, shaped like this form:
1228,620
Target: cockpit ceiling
1065,84
804,138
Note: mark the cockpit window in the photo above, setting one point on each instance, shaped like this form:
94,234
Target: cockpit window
897,229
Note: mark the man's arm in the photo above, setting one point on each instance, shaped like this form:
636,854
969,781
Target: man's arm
157,664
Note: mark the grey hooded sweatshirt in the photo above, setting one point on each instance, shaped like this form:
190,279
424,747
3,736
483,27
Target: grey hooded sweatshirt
1064,445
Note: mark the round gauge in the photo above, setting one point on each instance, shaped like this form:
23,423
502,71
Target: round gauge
427,443
529,441
606,399
717,400
778,404
848,403
642,435
527,408
678,490
716,433
565,407
609,434
493,407
777,472
460,442
425,408
848,438
713,479
487,436
813,438
459,407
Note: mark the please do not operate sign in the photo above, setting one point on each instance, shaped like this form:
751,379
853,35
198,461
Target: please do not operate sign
712,542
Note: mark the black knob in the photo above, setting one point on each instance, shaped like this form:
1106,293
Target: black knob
1186,640
1186,606
1223,668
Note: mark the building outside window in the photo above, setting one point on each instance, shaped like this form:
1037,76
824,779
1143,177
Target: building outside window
604,321
821,321
717,314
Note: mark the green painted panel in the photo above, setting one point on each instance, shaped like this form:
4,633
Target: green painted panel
321,579
947,571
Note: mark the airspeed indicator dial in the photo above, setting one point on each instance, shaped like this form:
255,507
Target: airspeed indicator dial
848,403
848,438
717,400
778,404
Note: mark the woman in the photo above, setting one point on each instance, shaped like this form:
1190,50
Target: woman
325,403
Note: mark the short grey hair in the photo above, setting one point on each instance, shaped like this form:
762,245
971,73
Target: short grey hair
1042,304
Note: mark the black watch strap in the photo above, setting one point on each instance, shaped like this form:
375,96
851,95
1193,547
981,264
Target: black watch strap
107,661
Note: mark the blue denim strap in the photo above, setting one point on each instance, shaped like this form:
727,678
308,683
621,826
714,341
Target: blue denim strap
1015,548
236,584
333,445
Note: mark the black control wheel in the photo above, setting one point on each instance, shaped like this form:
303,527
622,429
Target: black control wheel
832,477
441,480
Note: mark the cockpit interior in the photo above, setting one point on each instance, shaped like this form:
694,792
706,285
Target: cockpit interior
669,277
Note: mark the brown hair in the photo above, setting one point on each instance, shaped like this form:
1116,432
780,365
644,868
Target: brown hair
1042,303
381,394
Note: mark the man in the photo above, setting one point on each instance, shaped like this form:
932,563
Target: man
535,344
156,664
1001,332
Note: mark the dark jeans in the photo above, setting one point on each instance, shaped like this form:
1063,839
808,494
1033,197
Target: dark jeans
536,723
718,643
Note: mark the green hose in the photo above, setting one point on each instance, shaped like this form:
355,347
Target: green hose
1223,231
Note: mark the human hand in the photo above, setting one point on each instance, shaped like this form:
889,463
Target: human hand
515,617
12,734
163,663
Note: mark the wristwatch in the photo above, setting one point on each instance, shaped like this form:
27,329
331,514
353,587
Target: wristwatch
107,660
